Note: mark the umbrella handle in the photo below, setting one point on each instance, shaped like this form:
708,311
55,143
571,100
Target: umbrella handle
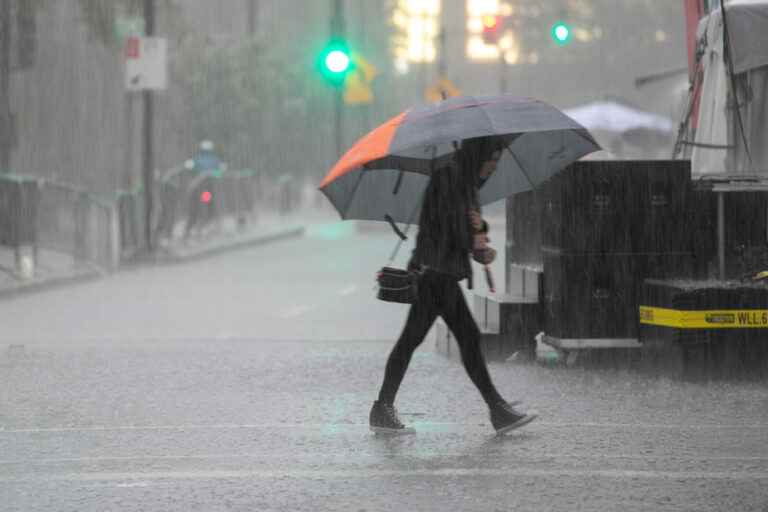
489,279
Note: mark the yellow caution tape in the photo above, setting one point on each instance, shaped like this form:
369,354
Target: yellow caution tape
710,319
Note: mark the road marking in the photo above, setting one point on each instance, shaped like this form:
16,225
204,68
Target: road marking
354,426
134,484
365,474
295,311
538,457
298,310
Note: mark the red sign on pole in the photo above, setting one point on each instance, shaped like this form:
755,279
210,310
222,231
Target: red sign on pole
132,45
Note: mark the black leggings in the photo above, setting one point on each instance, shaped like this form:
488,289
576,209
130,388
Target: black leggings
439,294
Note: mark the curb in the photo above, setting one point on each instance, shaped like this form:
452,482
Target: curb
44,284
170,257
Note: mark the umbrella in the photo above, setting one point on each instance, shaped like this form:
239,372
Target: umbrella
614,124
384,174
613,117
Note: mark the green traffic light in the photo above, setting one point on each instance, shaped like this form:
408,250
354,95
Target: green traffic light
337,61
561,33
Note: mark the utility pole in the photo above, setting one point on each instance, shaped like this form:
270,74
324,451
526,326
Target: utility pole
442,65
502,72
252,8
6,121
337,33
149,164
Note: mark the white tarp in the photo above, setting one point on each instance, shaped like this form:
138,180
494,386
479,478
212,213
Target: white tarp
747,21
718,124
614,117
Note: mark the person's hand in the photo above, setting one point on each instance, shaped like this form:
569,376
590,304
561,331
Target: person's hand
480,241
475,220
484,256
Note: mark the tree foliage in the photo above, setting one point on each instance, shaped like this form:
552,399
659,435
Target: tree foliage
101,16
251,101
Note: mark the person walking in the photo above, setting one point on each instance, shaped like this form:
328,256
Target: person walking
450,230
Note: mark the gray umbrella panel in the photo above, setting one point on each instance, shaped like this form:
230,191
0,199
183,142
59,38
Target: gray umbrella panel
468,117
429,129
542,141
372,194
532,159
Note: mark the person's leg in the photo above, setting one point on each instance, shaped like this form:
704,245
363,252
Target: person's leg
454,310
193,207
420,318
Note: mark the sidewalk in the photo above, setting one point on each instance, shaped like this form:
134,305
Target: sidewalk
228,235
54,268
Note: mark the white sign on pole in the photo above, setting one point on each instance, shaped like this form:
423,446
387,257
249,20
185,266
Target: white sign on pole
146,63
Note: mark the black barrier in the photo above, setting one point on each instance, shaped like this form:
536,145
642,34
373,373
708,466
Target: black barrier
619,206
19,199
719,326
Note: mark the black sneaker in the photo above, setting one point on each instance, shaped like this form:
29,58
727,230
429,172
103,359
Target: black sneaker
504,417
384,420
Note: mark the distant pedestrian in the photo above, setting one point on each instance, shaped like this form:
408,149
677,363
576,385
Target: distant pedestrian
450,230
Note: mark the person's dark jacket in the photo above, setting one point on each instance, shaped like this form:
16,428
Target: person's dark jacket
444,241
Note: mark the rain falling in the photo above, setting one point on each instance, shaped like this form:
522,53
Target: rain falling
383,255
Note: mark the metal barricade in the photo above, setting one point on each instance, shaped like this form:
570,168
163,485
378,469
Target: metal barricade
103,231
78,223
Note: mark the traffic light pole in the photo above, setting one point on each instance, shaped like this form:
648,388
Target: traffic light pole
502,73
338,125
337,32
252,9
148,150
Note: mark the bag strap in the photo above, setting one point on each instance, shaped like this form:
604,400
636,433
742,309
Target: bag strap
402,236
397,231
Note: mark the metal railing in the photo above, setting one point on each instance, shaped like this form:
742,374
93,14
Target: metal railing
177,199
42,214
107,230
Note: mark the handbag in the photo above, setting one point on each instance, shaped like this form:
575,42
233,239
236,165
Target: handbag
396,284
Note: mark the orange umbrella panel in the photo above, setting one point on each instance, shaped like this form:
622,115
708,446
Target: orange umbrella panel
371,147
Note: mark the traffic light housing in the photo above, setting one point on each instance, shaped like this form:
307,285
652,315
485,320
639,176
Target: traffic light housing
335,62
491,28
561,33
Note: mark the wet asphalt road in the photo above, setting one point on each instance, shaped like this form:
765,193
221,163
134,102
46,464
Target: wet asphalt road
245,425
189,413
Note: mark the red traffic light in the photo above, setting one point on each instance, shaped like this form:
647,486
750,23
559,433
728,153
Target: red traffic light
206,197
491,26
490,22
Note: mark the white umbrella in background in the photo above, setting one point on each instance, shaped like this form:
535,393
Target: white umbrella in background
614,125
614,117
